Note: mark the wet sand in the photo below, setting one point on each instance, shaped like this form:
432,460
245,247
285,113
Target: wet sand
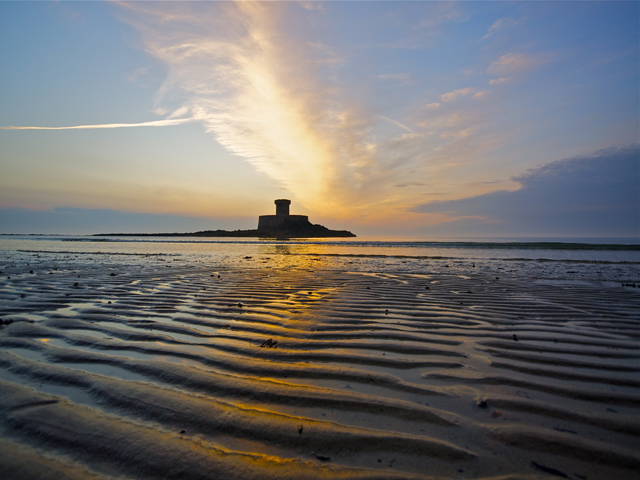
135,371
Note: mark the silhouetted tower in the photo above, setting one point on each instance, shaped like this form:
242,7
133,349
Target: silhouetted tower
281,220
282,207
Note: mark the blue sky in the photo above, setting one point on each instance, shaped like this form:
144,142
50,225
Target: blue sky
407,118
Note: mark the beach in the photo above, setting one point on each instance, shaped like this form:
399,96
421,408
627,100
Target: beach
317,360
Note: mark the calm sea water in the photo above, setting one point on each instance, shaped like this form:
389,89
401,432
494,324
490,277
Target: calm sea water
611,260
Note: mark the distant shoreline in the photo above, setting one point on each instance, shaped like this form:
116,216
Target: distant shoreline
312,231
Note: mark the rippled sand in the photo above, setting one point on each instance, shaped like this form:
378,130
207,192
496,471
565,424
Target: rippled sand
191,372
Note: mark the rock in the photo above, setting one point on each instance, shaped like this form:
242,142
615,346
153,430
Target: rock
270,343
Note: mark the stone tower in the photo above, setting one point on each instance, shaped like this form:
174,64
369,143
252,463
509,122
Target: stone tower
282,220
282,206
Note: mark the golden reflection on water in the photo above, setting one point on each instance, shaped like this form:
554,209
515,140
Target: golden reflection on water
282,249
302,256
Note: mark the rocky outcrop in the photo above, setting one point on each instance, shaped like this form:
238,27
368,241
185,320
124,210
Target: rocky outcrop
280,225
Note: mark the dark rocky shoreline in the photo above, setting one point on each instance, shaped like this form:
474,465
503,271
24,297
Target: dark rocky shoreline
291,231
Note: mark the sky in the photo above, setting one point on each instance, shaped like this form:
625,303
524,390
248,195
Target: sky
422,118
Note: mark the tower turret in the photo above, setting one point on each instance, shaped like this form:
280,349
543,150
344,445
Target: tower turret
282,206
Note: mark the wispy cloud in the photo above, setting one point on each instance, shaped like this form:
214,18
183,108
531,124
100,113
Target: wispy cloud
410,184
395,122
155,123
498,81
273,99
252,87
513,63
462,92
500,24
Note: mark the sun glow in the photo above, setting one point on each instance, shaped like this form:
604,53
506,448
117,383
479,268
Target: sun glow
264,96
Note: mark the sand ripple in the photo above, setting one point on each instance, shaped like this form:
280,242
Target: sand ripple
194,373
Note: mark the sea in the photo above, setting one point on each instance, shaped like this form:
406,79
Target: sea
542,259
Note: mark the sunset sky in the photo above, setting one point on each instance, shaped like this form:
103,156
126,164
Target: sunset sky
385,118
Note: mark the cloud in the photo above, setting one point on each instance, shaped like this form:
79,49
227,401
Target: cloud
457,135
269,95
395,122
593,194
448,97
311,5
498,81
513,63
410,184
156,123
500,24
433,105
257,89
